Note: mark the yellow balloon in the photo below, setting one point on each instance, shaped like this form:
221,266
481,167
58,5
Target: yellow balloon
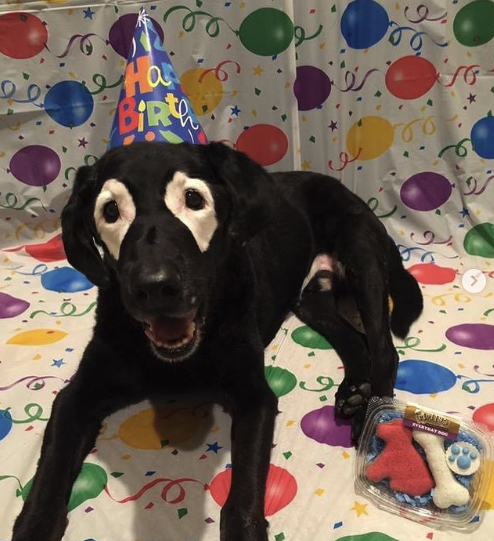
203,89
157,428
37,337
370,137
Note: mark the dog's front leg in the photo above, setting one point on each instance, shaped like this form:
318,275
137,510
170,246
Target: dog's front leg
75,421
69,436
253,408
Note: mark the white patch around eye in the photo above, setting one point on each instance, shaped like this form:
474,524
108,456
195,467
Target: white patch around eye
112,234
201,223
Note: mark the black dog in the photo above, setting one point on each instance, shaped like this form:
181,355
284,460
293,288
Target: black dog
199,254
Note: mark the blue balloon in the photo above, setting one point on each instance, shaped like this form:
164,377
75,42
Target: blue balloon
5,423
423,377
482,136
69,103
364,23
65,280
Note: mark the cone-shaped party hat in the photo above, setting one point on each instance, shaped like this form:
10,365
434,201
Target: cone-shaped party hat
152,105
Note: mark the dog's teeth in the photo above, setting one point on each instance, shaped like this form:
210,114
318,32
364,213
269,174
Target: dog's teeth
172,344
179,343
190,329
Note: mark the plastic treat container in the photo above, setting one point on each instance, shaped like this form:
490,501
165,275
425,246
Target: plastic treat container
443,480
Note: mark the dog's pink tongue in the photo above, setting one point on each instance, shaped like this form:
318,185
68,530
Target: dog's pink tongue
166,329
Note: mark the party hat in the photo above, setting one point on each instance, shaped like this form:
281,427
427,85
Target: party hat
152,105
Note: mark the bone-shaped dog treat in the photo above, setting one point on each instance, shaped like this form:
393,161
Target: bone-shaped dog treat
448,491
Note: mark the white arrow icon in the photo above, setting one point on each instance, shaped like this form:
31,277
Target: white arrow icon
473,280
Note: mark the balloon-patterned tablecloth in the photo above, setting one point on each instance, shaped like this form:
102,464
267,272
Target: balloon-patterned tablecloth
393,98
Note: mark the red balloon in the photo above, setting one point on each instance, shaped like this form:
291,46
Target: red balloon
429,273
485,416
51,250
410,77
22,35
281,488
264,143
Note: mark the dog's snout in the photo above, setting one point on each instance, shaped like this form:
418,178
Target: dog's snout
163,286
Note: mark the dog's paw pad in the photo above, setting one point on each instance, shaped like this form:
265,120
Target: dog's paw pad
463,458
352,398
355,399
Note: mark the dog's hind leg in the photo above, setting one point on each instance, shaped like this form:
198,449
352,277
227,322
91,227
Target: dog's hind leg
75,421
366,274
318,309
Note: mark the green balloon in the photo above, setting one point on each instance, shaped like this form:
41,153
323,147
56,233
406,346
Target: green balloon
474,23
371,536
280,380
308,338
89,484
480,240
266,31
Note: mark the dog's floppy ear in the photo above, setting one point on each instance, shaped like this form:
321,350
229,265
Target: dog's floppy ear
250,187
77,231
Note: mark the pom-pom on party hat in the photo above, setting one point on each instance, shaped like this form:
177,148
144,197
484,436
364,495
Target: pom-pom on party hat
152,105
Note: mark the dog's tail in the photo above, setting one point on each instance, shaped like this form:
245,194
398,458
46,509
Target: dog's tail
405,293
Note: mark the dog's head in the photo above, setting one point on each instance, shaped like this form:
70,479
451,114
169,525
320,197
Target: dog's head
159,219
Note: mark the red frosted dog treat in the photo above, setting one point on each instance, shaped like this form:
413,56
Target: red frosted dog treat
400,462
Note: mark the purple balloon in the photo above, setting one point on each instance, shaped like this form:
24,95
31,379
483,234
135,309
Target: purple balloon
35,165
425,191
323,426
312,87
122,32
11,306
472,335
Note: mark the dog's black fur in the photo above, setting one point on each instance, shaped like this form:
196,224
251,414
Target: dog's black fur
270,228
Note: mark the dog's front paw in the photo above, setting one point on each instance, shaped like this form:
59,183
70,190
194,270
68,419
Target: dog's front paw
352,397
242,526
30,534
351,403
32,527
239,531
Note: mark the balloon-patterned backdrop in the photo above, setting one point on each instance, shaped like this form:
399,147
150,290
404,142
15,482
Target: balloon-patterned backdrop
396,99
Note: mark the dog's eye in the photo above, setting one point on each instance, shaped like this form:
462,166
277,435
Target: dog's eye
194,200
110,212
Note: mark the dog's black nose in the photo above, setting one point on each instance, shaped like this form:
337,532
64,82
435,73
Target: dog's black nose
162,288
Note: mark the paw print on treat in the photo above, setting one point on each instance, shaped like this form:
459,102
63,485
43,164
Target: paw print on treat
463,458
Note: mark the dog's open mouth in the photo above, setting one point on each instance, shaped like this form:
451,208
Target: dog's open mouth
173,338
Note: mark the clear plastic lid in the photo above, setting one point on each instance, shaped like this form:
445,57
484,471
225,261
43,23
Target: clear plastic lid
424,464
